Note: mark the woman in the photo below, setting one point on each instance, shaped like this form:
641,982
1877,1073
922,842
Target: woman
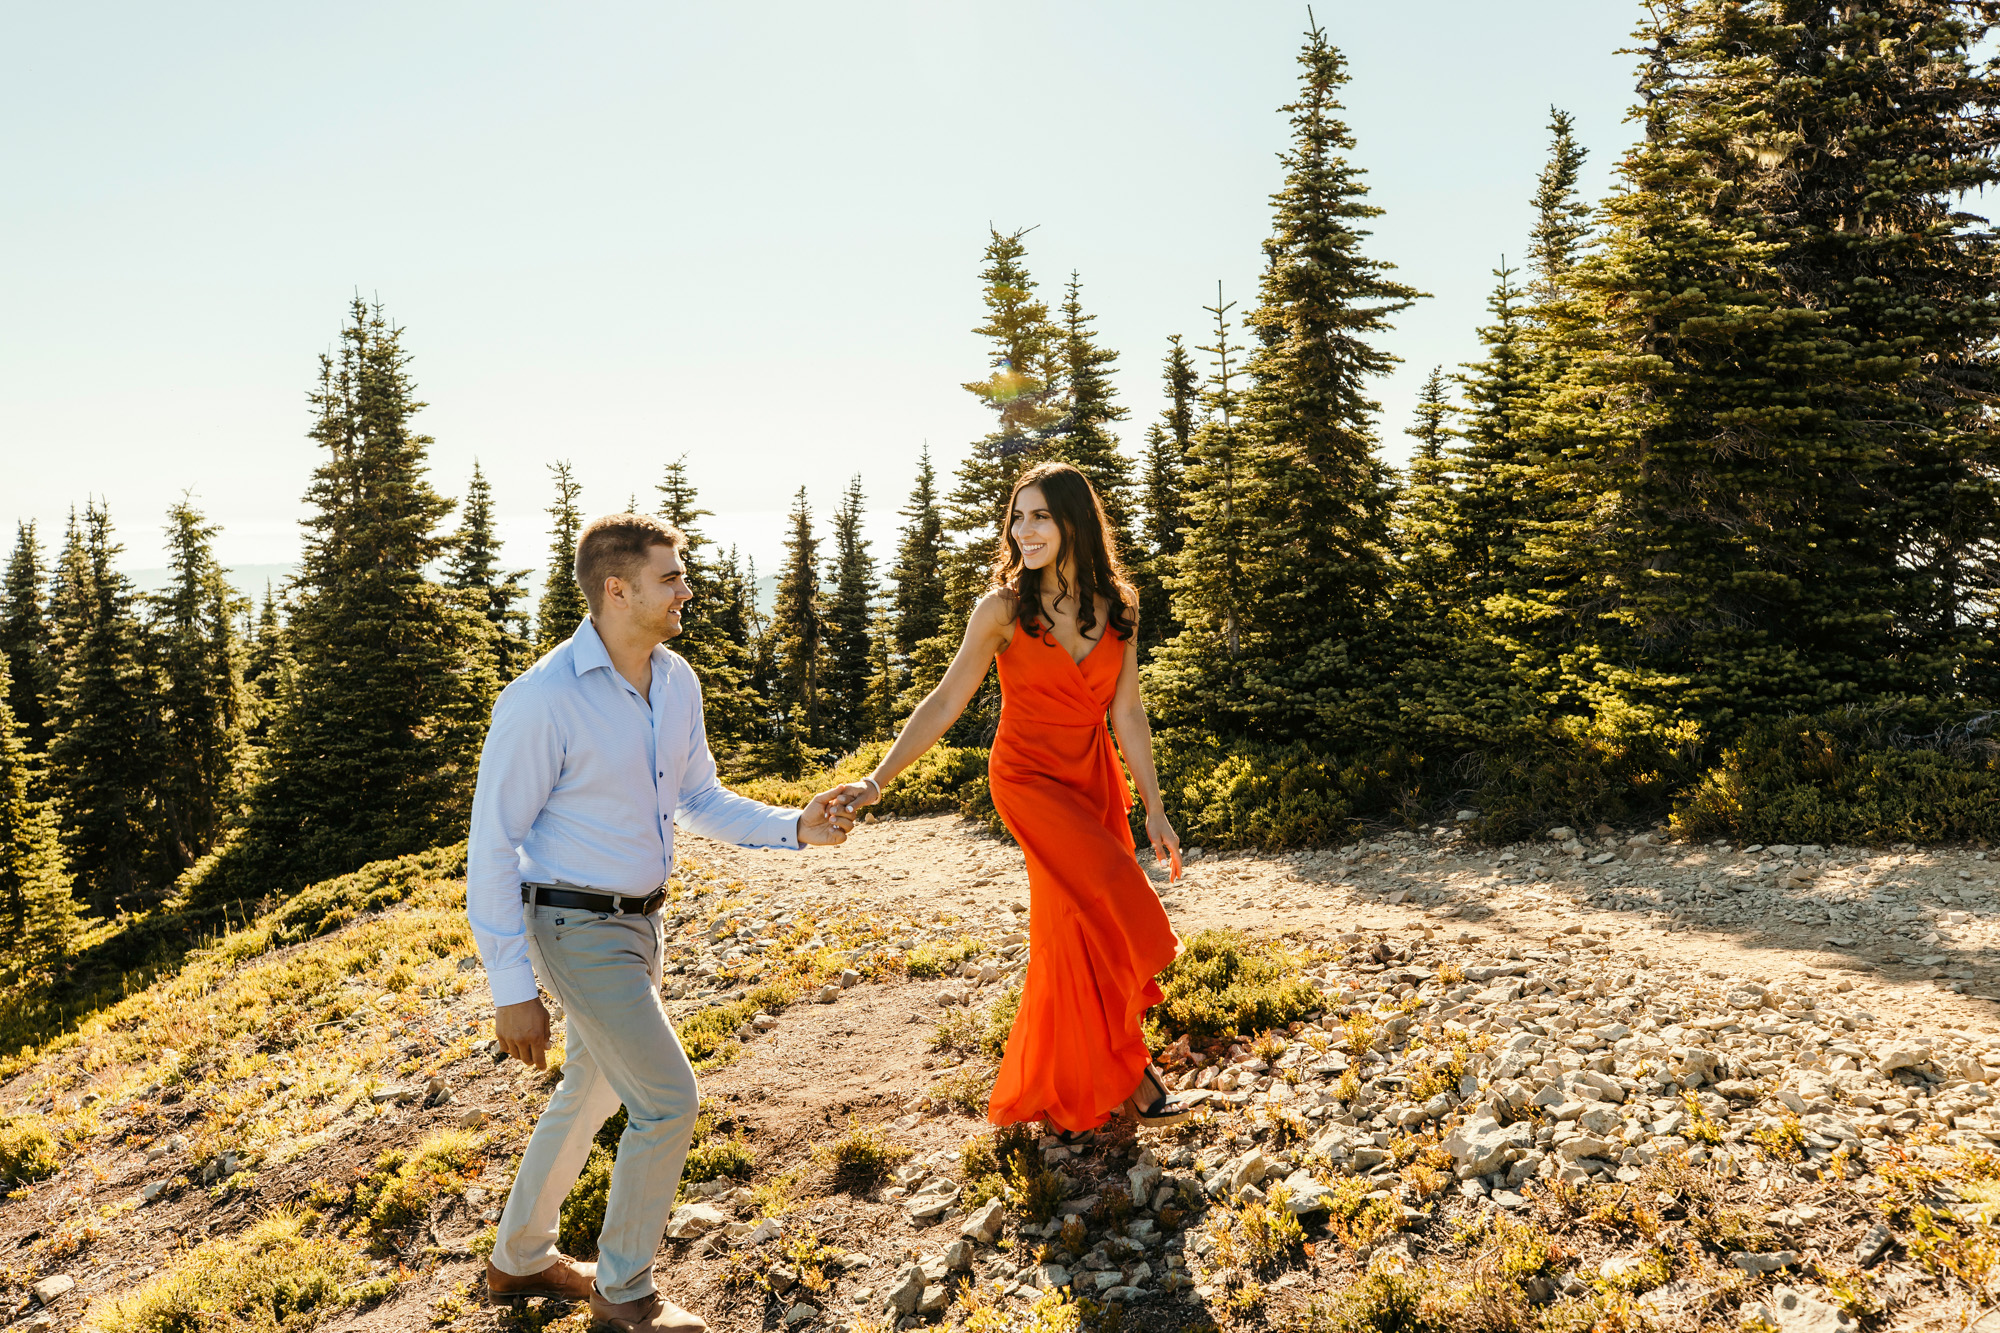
1097,932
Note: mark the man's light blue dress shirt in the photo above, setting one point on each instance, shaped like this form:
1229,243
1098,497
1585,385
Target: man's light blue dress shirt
581,782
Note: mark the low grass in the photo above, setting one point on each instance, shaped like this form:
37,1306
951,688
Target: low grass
27,1150
941,958
709,1036
971,1031
966,1089
404,1186
117,962
860,1159
1225,982
284,1274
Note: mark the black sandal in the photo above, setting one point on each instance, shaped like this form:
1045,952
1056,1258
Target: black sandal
1163,1110
1070,1138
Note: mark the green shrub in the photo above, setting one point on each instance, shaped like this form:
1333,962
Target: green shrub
400,1190
1225,982
1552,778
281,1275
709,1035
947,779
27,1150
1000,1021
1866,776
1264,794
719,1159
941,958
861,1158
582,1214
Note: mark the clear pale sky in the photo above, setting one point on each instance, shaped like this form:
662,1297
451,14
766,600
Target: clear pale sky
616,233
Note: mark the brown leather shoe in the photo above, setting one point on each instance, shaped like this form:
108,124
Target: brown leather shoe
652,1314
564,1280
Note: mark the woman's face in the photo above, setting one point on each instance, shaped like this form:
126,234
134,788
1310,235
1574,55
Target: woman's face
1034,529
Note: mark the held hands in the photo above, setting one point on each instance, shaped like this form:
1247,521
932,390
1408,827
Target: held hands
854,795
523,1031
825,820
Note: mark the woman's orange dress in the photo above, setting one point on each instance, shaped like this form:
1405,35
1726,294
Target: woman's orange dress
1097,934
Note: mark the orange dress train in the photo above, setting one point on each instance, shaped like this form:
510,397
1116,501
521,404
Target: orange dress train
1097,934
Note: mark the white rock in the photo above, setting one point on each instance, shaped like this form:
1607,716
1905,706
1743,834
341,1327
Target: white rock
906,1292
985,1223
1484,1144
52,1288
1757,1264
1246,1169
694,1219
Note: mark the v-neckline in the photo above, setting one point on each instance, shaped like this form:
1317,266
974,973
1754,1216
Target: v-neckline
1076,662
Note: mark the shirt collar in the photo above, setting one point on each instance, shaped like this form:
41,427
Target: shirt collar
586,651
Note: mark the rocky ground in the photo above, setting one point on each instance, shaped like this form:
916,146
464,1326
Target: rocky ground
1600,1080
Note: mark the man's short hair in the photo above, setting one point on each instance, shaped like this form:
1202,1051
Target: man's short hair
615,546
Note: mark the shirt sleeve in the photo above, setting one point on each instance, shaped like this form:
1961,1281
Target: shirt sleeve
712,810
518,768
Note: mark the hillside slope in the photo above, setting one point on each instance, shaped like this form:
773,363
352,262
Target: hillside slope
1487,1089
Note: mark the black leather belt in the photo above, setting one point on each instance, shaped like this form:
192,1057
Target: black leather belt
615,904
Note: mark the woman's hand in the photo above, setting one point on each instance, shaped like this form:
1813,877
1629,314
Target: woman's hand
854,795
1166,842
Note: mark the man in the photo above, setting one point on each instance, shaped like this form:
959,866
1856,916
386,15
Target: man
595,753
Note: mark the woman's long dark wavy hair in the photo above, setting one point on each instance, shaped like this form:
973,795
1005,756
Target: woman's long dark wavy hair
1087,540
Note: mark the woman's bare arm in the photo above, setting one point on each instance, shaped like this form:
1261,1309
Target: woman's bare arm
1135,741
986,633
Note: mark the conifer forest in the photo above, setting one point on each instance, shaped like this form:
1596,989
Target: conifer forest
1709,532
1587,915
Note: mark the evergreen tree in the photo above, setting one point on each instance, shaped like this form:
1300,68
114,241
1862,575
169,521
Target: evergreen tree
106,754
26,639
1427,521
850,615
497,594
562,607
1023,390
1168,444
267,674
714,637
1562,217
1082,436
1495,508
37,911
919,604
1207,578
1317,634
797,635
205,706
72,597
1778,441
376,751
884,681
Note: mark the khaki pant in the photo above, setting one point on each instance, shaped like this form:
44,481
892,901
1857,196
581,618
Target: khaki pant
619,1047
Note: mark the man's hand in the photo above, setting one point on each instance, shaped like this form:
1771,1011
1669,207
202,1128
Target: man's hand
523,1031
825,820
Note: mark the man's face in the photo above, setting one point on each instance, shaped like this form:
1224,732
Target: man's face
657,591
